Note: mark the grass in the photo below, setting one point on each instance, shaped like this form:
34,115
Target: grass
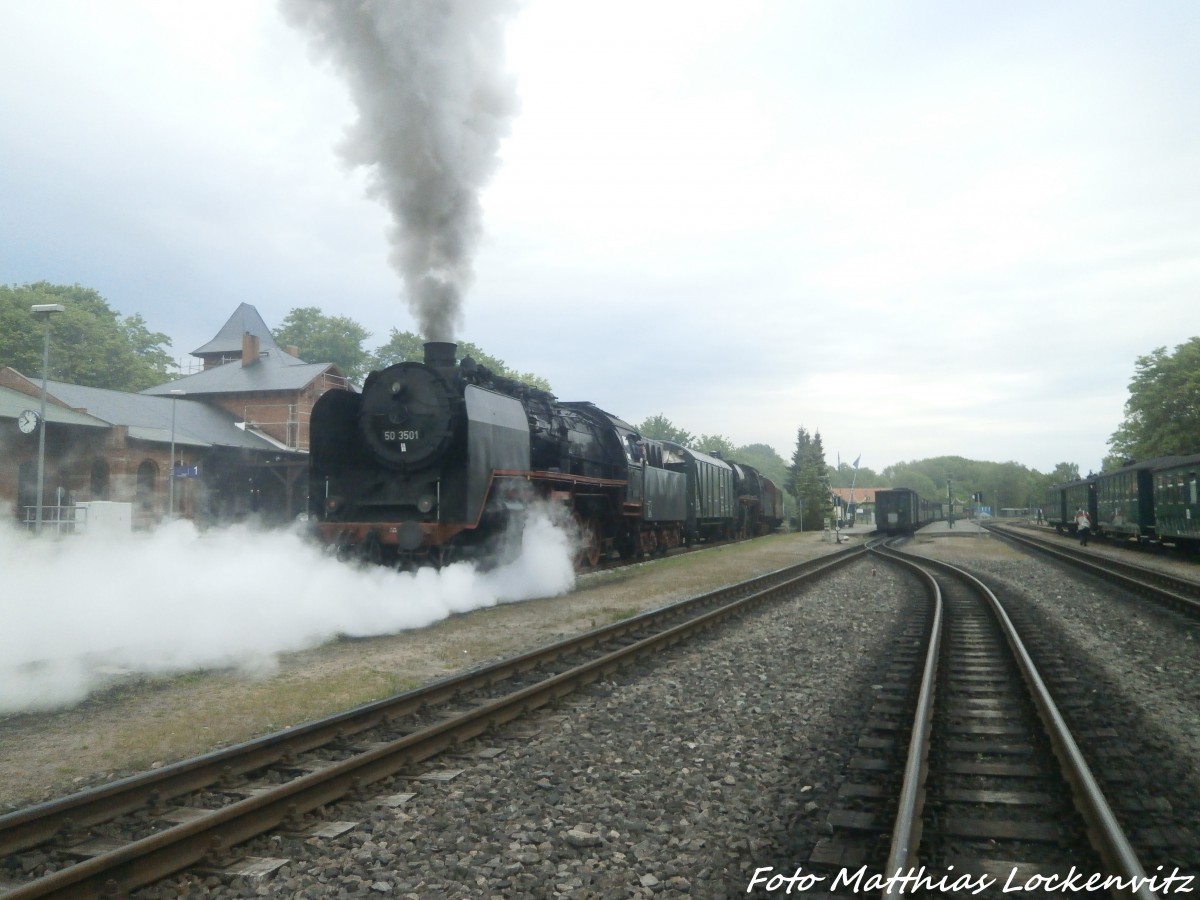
239,710
612,616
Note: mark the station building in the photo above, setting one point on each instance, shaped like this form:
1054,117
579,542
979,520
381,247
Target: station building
862,499
239,427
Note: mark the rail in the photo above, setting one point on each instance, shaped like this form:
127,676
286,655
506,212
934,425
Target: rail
386,738
1105,833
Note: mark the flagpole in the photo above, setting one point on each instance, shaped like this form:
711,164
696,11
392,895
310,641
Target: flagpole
853,481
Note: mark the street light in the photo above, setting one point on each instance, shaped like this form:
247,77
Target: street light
175,395
43,311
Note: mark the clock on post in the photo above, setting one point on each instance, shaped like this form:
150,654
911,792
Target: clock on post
28,421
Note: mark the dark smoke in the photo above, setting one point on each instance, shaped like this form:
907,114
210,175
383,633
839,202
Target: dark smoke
434,101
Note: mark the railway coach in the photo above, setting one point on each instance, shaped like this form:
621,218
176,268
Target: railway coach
903,511
1176,502
1124,503
1062,500
1153,501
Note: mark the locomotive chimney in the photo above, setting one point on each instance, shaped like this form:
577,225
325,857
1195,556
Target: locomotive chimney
440,354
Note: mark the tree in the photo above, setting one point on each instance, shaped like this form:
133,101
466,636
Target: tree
764,458
1008,484
809,483
716,445
90,344
402,346
1162,414
660,428
405,346
326,339
1063,473
845,475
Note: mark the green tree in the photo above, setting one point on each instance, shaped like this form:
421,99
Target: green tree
716,445
1162,414
405,346
326,339
1007,484
764,458
90,344
809,481
402,346
845,475
660,428
1063,473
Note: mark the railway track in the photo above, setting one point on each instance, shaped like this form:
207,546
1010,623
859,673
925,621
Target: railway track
1171,590
107,841
967,775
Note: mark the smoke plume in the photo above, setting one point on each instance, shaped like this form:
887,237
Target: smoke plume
434,102
78,612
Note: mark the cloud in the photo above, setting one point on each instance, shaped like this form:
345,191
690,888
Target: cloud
699,208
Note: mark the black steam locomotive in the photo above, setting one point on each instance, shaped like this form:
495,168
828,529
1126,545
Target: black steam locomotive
431,462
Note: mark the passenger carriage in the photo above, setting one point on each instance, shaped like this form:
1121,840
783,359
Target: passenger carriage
1176,501
1124,507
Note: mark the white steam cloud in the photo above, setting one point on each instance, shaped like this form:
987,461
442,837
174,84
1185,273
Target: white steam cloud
73,610
434,102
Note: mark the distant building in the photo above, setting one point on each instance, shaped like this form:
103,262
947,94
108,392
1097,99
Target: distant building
863,500
239,428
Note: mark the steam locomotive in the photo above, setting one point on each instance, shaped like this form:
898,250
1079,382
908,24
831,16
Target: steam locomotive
435,460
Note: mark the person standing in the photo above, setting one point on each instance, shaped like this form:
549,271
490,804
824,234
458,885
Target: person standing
1083,526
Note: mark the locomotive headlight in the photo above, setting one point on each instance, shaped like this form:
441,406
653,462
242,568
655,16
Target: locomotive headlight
425,503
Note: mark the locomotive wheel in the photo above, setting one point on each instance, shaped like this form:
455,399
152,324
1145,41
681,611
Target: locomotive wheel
371,550
627,546
668,540
589,543
649,542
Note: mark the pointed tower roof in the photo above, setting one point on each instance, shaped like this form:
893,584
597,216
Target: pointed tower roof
228,342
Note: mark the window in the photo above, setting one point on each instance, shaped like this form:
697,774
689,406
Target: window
147,475
99,482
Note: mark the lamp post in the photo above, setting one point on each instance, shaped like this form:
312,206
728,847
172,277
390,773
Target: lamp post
175,395
43,311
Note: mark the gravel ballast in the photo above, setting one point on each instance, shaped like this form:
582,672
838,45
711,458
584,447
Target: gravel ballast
139,722
682,777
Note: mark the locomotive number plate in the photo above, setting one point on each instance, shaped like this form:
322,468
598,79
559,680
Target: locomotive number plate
413,435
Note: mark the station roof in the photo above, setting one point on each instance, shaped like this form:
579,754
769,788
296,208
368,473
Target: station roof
245,320
13,403
148,418
860,494
275,370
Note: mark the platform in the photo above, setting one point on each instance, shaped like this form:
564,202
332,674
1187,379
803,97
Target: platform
961,526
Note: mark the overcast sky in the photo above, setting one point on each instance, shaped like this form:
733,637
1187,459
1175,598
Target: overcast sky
919,228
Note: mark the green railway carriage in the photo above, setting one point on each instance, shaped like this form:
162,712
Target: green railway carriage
1176,500
1155,501
711,500
1077,495
903,511
1054,508
1125,503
